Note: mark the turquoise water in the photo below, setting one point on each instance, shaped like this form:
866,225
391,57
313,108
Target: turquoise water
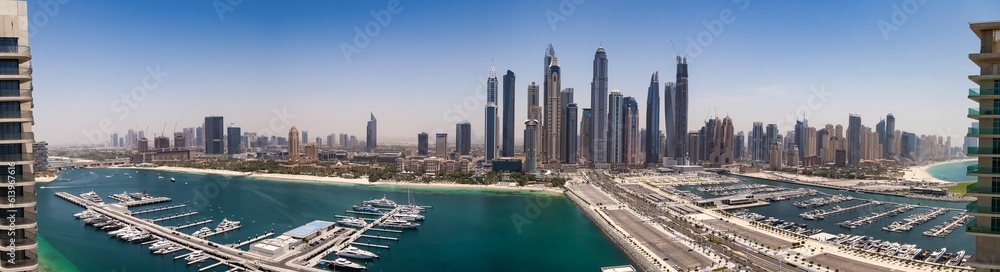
467,230
954,171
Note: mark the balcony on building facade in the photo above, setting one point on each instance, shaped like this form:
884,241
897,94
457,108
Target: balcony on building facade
975,229
23,157
15,95
984,93
975,190
984,77
983,152
976,113
980,58
15,137
15,73
19,265
16,116
984,132
974,209
19,52
974,170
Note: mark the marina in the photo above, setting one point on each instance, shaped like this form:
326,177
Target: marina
821,214
909,222
949,226
868,219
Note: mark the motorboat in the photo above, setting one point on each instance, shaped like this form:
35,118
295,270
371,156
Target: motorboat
357,253
381,203
195,255
352,222
397,223
227,225
366,208
341,263
161,244
202,233
85,214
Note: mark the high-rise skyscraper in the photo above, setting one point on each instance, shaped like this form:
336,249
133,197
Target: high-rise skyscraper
723,143
179,140
441,145
670,121
890,137
599,108
507,134
492,117
491,146
771,136
293,144
631,126
739,147
530,131
213,135
800,131
553,112
305,137
652,148
883,136
570,151
422,144
331,140
534,108
371,140
616,127
681,105
586,138
463,139
757,148
565,99
854,140
233,139
986,226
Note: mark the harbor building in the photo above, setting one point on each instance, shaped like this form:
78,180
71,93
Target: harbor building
986,209
20,238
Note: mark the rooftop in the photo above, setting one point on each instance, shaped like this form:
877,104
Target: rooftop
307,229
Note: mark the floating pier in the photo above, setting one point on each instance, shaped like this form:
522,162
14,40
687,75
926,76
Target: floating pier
172,217
211,266
147,201
386,230
380,237
206,221
252,240
72,199
214,233
365,213
370,245
158,209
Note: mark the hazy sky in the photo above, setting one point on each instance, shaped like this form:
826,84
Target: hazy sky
103,66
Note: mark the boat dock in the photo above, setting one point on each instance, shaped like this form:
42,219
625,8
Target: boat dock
365,213
868,219
147,201
317,255
72,199
380,237
206,221
949,226
158,209
820,214
171,217
251,240
214,233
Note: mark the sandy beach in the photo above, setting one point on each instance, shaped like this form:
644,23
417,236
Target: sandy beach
339,180
920,172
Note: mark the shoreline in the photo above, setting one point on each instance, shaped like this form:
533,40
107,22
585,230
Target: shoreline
920,172
345,181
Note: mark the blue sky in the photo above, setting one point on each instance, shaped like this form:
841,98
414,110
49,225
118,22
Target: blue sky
426,67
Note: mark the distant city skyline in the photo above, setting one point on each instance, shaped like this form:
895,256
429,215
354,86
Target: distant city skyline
846,57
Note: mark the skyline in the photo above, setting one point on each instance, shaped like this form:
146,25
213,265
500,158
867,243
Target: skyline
735,74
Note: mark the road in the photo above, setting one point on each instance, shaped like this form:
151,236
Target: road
670,248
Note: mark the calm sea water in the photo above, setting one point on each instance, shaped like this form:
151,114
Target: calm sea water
467,230
784,210
954,172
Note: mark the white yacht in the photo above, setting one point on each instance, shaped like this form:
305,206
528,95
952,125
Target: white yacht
84,214
227,225
160,245
936,254
345,264
380,203
352,222
121,230
357,253
397,223
197,254
202,233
